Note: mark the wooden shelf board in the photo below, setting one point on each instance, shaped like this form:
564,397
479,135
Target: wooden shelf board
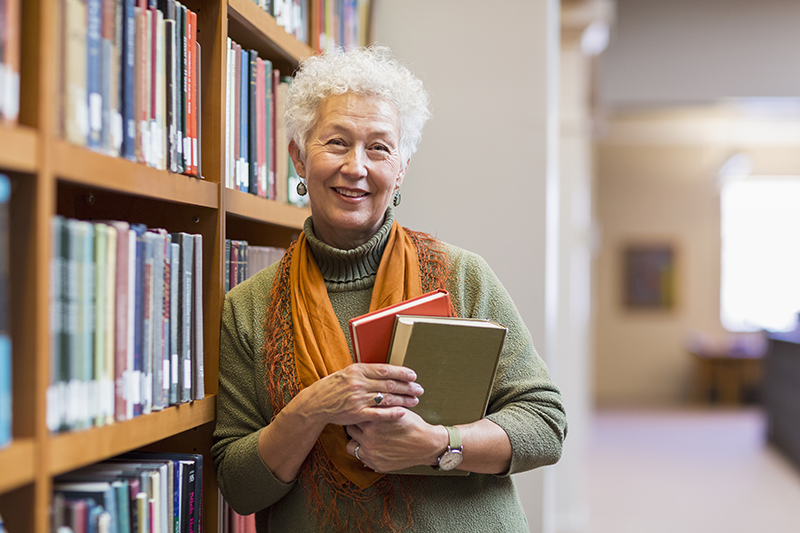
252,207
69,451
84,167
257,21
16,464
18,150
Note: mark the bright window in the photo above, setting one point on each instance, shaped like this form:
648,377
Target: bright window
760,254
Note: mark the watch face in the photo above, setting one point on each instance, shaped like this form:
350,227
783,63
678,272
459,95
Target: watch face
450,460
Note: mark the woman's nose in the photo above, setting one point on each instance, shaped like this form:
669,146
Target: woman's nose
355,163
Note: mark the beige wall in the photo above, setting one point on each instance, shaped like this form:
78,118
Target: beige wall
657,183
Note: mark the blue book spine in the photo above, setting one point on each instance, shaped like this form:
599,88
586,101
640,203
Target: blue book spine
127,86
5,389
244,95
5,339
93,70
138,321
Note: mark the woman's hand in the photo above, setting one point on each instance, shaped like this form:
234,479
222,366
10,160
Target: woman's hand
399,443
345,397
351,395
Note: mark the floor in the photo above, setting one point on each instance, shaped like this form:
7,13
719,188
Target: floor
689,471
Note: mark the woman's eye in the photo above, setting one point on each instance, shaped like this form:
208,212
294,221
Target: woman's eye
381,147
336,142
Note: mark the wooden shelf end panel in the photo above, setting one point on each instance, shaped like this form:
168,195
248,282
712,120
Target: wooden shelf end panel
69,451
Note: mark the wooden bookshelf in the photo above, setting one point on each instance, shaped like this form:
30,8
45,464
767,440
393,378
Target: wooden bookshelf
18,149
53,177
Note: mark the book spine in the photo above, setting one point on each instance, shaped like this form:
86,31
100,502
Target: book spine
100,262
147,324
260,129
169,52
76,121
127,87
237,111
5,329
106,72
227,265
140,292
269,130
182,83
252,121
157,325
165,326
109,352
195,95
198,377
175,320
228,122
93,68
187,148
55,399
10,63
245,120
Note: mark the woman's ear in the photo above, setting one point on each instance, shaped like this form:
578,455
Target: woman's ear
299,164
402,174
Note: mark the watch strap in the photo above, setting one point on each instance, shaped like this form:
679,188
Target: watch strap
455,437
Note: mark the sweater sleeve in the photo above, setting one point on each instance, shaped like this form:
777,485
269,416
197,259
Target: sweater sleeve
243,410
524,400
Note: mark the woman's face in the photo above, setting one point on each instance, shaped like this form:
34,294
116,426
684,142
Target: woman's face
352,167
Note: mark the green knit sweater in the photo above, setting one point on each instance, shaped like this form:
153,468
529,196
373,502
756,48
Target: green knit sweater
524,401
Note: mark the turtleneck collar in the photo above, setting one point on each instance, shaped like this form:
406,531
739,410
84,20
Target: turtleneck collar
347,270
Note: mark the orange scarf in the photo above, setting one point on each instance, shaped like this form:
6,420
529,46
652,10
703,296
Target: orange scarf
320,346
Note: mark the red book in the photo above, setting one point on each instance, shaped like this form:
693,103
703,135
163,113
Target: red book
191,22
371,334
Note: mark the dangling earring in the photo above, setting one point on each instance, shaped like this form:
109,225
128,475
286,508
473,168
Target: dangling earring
396,199
302,190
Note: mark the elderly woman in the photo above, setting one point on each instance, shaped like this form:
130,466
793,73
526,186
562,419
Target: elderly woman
301,439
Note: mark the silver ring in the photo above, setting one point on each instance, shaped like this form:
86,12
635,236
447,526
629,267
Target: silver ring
355,452
378,398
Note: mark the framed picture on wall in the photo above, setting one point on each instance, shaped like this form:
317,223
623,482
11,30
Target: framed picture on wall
649,276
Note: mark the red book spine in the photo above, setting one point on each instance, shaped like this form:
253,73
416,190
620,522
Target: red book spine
189,90
121,323
192,110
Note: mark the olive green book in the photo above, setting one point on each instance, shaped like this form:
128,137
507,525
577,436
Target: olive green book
456,361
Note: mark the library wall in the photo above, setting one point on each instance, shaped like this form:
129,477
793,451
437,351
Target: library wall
657,182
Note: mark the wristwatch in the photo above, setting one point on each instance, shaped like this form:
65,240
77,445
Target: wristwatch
452,457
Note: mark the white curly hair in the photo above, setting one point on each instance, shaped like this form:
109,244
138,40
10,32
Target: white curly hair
370,70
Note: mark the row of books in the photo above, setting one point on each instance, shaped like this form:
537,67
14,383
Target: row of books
229,521
243,260
291,15
256,148
340,24
10,30
5,326
138,492
130,81
127,322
